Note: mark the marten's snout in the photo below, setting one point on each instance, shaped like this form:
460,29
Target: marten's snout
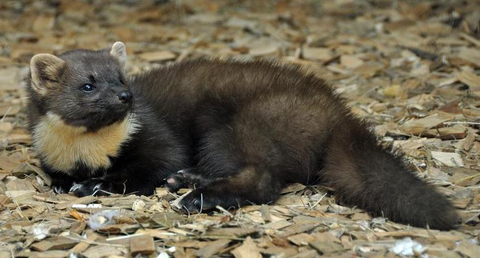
125,96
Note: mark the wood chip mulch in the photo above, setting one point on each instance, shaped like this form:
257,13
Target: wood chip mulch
411,68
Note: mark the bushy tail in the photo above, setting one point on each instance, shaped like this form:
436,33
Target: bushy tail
369,176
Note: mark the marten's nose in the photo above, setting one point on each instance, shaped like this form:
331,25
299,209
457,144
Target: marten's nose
125,96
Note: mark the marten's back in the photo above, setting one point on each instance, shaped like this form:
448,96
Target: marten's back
180,91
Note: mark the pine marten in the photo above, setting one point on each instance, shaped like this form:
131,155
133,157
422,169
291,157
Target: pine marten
238,131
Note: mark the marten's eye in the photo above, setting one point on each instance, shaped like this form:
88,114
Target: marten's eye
88,87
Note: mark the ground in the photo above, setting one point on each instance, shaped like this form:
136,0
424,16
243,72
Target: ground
411,69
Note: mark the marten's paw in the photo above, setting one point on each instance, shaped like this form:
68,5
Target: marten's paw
186,178
198,201
92,187
207,199
176,181
60,186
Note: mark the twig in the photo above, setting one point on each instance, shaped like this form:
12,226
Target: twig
91,242
321,198
461,122
466,178
6,113
224,211
219,237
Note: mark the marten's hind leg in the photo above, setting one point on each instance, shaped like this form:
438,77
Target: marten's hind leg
251,185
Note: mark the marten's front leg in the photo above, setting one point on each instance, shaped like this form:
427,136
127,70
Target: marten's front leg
139,171
140,182
139,177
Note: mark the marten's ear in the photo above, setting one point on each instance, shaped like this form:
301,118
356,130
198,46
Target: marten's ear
45,70
119,51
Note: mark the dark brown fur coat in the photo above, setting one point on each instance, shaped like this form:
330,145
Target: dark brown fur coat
240,132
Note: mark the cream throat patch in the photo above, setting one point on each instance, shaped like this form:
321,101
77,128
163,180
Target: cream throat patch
62,146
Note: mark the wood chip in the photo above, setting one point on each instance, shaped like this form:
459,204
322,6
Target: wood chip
83,200
468,141
298,228
57,243
369,70
418,126
46,254
278,224
317,54
468,249
231,232
168,219
412,71
470,79
470,39
100,251
471,55
158,56
43,23
247,249
350,62
306,254
456,132
293,188
264,50
213,248
301,239
142,245
393,91
266,213
327,248
448,158
462,203
83,245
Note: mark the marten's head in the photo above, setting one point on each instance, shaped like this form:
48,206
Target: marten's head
83,88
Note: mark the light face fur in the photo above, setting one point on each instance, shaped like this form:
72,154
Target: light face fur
63,146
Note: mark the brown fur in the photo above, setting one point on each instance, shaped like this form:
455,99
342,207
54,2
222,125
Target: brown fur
239,131
45,69
258,127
